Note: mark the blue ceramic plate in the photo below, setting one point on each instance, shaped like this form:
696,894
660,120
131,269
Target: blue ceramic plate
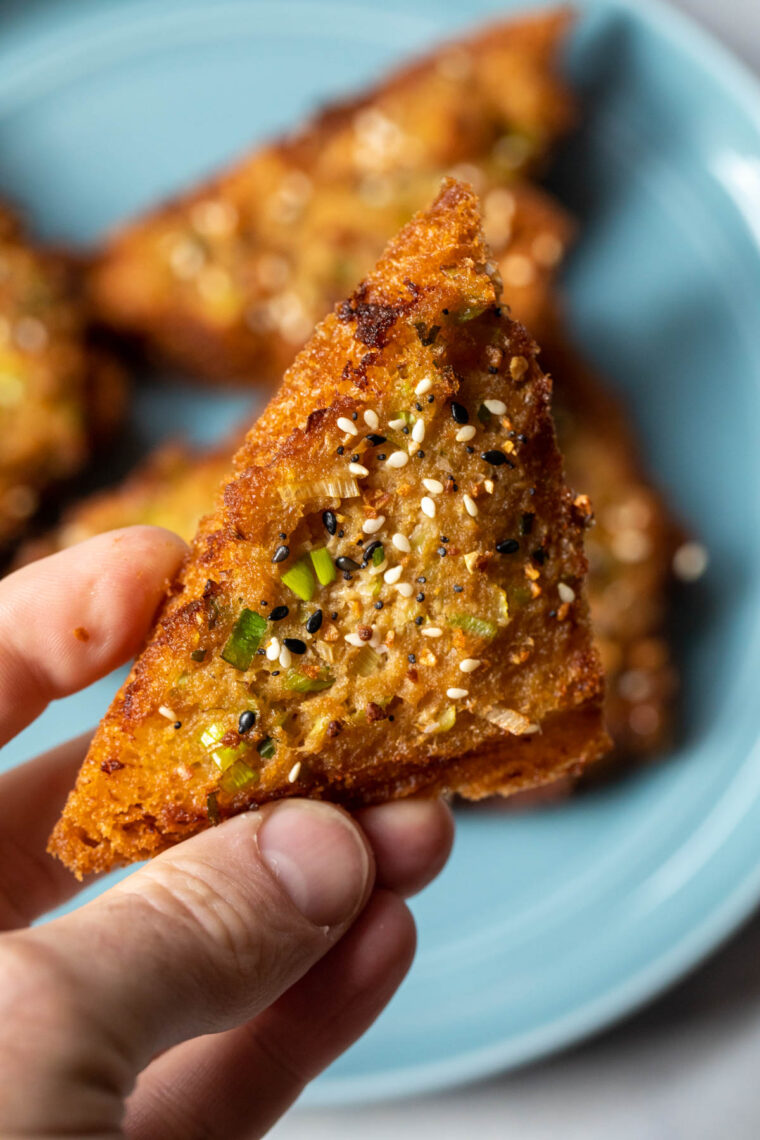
545,926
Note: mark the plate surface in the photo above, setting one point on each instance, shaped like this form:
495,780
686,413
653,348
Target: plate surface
545,926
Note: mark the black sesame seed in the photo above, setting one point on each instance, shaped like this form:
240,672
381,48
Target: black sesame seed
539,555
552,613
344,563
470,449
420,597
375,439
294,644
508,546
531,490
526,525
360,542
442,551
391,717
422,580
340,449
275,673
334,615
354,416
378,605
178,724
347,576
495,457
314,622
493,370
370,551
419,620
418,405
431,398
330,521
444,538
382,455
355,458
278,613
246,721
458,589
261,652
264,603
522,438
460,413
455,487
281,553
497,310
341,533
411,658
405,429
283,535
420,454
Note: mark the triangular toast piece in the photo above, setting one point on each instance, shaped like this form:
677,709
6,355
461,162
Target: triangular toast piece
228,280
388,598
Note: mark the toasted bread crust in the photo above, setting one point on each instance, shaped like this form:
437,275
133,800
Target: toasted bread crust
405,725
228,280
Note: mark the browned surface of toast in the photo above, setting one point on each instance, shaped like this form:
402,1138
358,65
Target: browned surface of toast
477,673
228,280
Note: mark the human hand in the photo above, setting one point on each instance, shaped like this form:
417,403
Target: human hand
228,971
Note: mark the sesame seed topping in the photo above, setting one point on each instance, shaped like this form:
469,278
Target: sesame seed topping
465,433
566,593
419,620
371,419
418,431
246,721
432,631
340,449
495,457
422,580
375,439
469,665
423,386
357,469
411,658
273,649
498,407
278,613
442,551
314,621
405,589
294,772
330,521
508,546
164,710
281,553
372,526
433,486
488,484
420,597
470,505
382,455
347,426
344,563
460,413
285,659
401,542
354,639
398,459
457,694
431,398
428,507
295,645
420,454
396,424
458,589
392,575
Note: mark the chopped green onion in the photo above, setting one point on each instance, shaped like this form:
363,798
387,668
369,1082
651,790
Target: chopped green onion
212,734
225,757
198,655
266,748
300,580
323,566
244,639
378,554
477,626
335,487
446,720
366,662
298,682
468,313
239,777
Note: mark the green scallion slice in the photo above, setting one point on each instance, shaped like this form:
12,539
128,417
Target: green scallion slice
378,554
323,566
300,580
239,777
244,640
476,626
298,682
266,748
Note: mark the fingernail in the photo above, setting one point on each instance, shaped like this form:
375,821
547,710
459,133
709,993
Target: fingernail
318,857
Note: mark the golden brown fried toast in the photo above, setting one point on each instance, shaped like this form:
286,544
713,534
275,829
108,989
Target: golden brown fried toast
388,597
57,394
228,280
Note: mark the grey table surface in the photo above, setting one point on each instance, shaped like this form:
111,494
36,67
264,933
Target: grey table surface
687,1068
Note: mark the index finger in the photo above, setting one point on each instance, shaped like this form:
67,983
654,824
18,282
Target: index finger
73,617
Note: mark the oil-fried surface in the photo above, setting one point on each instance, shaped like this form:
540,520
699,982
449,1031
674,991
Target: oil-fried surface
229,280
630,550
56,392
414,581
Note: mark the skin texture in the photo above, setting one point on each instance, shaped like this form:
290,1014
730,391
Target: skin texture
228,280
171,756
264,946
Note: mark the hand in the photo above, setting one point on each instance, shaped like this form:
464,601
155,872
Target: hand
224,974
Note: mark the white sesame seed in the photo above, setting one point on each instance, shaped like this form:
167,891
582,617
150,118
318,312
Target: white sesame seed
401,542
406,589
396,424
285,658
357,469
566,593
433,486
372,526
354,639
273,649
392,575
347,425
469,665
457,694
167,712
488,484
427,506
418,431
470,505
397,459
423,387
371,419
497,407
294,772
465,433
431,631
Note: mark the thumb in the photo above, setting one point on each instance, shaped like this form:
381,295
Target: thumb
199,940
